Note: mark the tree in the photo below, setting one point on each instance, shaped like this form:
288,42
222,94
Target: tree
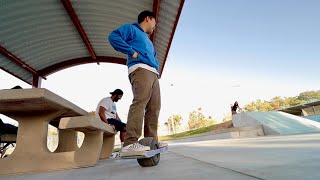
176,122
198,120
309,96
167,125
279,102
52,130
259,105
292,101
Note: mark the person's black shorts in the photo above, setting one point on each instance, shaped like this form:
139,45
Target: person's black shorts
7,128
120,126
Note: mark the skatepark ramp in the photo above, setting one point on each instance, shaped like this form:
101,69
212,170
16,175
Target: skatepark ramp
276,123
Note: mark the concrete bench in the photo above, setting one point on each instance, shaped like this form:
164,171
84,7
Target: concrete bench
98,135
5,141
8,138
34,109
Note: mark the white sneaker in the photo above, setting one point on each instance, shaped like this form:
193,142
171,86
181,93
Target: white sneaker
162,144
135,147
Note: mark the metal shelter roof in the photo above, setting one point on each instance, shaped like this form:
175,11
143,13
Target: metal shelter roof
41,37
296,110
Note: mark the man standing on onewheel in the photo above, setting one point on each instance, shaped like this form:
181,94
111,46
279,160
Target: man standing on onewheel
143,65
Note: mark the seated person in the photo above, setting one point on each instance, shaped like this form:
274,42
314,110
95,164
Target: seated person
107,112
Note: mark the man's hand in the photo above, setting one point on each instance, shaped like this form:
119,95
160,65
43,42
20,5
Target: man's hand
135,55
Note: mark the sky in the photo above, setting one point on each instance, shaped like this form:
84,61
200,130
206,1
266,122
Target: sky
223,51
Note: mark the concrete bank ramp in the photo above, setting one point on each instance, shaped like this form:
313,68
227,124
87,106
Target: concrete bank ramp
276,123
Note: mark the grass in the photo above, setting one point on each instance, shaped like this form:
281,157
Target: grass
179,135
187,133
224,125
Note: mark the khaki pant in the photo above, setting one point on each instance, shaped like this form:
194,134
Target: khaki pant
145,105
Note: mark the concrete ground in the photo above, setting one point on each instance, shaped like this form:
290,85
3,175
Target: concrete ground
269,157
273,157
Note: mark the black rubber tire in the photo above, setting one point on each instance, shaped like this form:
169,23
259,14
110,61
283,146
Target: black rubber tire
154,160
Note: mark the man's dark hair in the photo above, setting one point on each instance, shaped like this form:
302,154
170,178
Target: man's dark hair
145,14
117,92
17,87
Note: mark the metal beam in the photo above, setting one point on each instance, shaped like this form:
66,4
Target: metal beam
72,14
78,61
5,70
18,61
172,34
156,10
36,81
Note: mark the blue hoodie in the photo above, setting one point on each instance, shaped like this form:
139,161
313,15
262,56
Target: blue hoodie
130,38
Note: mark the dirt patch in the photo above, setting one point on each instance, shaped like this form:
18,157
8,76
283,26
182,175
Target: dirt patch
221,126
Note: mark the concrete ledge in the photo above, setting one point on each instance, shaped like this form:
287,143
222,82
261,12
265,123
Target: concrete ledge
8,138
250,131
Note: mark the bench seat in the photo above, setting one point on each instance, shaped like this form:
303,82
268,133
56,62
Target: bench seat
89,124
8,138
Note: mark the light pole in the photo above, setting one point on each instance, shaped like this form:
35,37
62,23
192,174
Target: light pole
172,122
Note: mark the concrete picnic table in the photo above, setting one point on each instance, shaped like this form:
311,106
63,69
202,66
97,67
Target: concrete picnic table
34,109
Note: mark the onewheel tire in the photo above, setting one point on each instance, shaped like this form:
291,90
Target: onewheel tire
154,160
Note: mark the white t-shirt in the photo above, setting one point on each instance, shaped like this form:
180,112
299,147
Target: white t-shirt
144,66
110,107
